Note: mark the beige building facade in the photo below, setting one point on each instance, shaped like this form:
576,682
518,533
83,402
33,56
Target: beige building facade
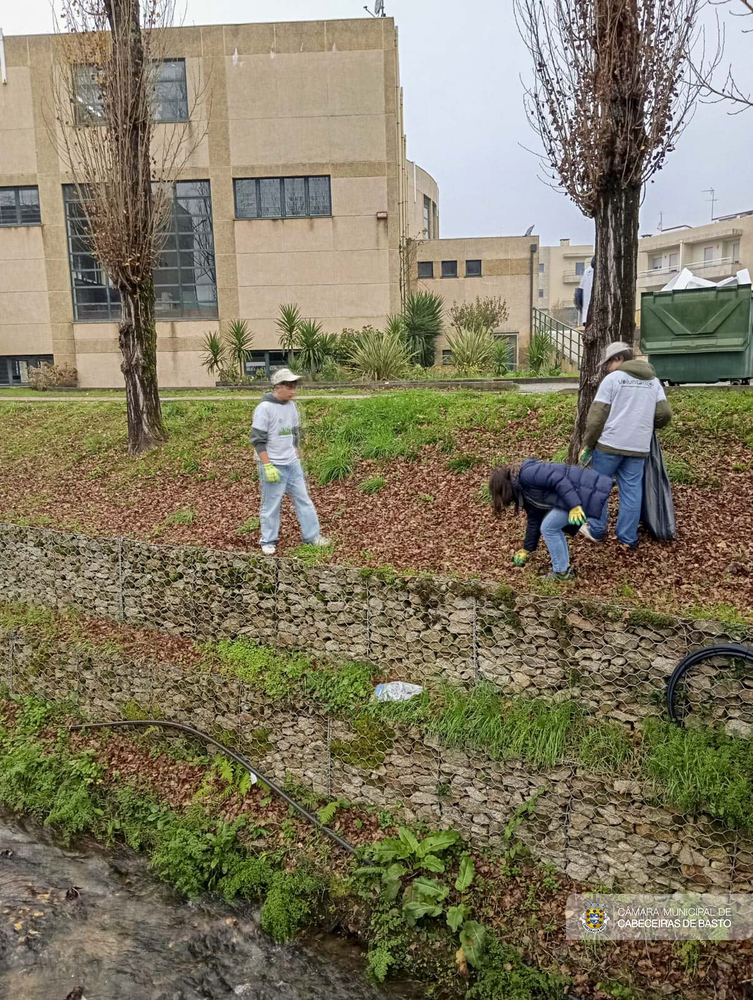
560,271
462,270
297,190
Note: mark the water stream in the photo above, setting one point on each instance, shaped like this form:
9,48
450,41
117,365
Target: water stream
122,935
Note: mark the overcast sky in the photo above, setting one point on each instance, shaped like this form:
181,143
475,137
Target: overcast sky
461,64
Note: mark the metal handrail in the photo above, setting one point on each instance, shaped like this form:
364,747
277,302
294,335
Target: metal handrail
567,341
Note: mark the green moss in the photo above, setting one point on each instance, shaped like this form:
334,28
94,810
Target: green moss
370,746
135,710
505,596
643,616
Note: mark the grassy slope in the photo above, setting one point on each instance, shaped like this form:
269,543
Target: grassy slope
66,467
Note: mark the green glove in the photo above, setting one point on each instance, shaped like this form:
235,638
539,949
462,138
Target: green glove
585,456
521,557
578,515
271,474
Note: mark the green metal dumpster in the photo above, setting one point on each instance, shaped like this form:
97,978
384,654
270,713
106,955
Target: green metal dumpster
699,334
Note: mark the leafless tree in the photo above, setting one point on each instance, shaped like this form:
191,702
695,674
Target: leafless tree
730,89
109,55
612,91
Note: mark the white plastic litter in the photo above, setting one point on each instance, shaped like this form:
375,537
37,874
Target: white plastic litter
396,691
686,279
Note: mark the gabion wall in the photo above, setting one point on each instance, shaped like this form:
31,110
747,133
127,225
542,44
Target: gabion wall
612,661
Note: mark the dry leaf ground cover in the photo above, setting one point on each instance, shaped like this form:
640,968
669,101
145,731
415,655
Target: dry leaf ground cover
398,481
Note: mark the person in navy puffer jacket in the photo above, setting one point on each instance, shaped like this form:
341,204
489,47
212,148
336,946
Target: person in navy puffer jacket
557,499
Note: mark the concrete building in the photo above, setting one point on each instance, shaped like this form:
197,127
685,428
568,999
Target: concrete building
466,269
714,251
298,190
560,271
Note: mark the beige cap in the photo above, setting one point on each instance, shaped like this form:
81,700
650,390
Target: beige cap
618,347
285,375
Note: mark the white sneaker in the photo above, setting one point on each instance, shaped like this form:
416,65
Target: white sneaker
585,530
321,542
269,550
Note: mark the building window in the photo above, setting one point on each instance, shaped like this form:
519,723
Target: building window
426,269
170,93
736,252
185,281
580,268
282,197
541,293
449,269
656,263
427,217
19,206
15,370
263,364
708,254
541,268
435,220
674,261
473,269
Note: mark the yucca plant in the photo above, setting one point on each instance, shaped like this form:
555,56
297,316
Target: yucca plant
214,353
503,356
422,320
239,340
472,350
380,357
287,323
309,341
540,351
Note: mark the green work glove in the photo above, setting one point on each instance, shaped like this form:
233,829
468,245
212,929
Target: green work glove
578,515
271,474
585,456
521,557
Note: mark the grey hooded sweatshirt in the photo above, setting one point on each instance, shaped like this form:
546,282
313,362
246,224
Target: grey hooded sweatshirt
275,428
629,405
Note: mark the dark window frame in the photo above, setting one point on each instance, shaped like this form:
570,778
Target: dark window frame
96,116
454,264
84,267
19,220
475,274
257,182
426,264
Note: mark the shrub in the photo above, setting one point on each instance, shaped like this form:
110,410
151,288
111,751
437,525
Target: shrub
472,350
540,351
46,376
239,340
380,357
422,322
214,359
484,315
287,323
373,485
502,356
312,346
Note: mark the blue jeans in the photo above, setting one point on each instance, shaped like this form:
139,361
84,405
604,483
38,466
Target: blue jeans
629,474
556,542
293,483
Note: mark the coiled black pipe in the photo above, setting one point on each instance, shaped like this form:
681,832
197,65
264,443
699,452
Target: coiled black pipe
730,649
238,758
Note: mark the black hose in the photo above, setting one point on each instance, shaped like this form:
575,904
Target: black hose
730,649
238,758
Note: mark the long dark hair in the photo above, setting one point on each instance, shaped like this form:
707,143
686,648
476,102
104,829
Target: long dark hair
501,488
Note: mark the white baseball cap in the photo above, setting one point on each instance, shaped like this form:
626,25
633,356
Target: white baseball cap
285,375
618,347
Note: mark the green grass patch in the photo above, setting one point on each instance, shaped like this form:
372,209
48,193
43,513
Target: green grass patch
373,485
179,517
312,555
249,527
463,463
702,770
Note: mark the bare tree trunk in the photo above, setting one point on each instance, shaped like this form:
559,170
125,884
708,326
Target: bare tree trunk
611,315
137,336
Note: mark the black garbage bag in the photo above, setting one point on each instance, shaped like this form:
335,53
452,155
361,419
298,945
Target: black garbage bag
658,512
